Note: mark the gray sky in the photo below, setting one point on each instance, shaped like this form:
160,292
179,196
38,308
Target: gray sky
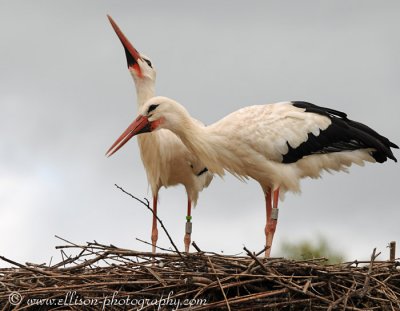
66,95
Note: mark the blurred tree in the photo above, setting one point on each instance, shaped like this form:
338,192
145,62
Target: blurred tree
308,250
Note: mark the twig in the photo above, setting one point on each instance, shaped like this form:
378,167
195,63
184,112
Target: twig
219,283
255,259
157,276
392,247
196,247
36,270
158,247
147,205
242,299
368,277
261,251
86,263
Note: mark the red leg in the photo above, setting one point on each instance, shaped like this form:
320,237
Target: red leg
188,228
276,198
268,204
154,230
272,219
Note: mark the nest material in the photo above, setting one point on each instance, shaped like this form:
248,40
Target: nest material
104,277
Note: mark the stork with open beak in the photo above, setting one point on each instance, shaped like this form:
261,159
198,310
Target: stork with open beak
275,144
167,161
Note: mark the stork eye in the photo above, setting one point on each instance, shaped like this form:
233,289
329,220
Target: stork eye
148,62
151,108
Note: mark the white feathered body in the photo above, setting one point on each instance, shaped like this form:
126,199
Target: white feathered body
250,142
167,161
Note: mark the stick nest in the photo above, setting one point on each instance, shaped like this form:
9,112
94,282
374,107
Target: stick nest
197,281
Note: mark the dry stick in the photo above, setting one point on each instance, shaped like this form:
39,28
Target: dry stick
74,245
86,263
157,276
242,299
68,259
255,259
88,248
159,247
226,279
368,277
62,256
27,268
84,248
350,292
196,247
361,292
261,251
307,285
132,253
158,219
284,303
392,246
6,306
219,283
286,283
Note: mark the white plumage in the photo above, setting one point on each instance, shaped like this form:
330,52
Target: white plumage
254,140
275,144
166,159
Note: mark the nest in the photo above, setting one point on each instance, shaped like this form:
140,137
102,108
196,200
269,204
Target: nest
105,277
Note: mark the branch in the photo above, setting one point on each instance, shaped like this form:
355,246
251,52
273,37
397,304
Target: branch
368,277
158,219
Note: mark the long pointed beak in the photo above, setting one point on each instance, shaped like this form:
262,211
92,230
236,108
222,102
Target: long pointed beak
140,125
132,55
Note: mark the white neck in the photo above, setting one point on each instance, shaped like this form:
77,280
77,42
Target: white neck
145,89
208,145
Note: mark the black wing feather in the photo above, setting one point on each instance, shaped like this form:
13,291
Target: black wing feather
342,134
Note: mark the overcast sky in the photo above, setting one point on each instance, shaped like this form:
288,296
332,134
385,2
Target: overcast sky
66,95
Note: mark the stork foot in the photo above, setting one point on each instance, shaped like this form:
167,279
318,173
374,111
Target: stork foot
187,241
188,234
272,219
154,238
269,236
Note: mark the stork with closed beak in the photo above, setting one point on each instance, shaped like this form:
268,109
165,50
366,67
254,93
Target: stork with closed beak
167,161
275,144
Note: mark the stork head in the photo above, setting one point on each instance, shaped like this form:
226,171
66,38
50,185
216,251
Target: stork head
139,65
158,112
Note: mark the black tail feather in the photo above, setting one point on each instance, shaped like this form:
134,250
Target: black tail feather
343,134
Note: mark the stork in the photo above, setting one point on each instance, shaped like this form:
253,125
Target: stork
166,159
275,144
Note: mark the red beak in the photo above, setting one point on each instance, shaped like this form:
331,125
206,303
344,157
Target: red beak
140,125
132,55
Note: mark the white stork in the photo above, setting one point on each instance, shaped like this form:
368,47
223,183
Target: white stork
166,159
275,144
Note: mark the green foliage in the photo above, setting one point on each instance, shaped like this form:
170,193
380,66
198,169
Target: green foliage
308,250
